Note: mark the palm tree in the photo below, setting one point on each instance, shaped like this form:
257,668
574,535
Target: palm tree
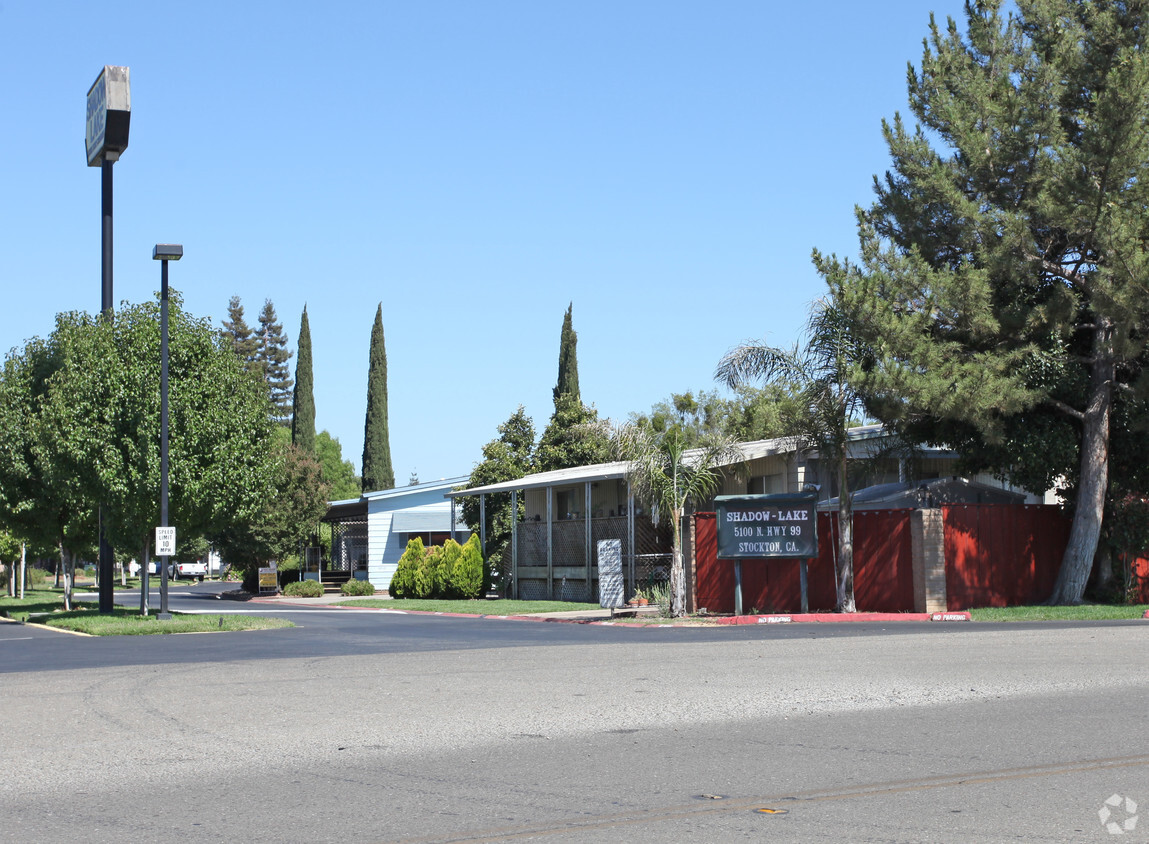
665,474
819,374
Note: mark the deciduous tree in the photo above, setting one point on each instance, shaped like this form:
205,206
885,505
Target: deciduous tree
337,472
101,423
505,458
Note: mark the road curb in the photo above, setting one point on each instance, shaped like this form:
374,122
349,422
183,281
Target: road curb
774,618
842,617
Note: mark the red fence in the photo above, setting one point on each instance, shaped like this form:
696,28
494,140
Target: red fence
1002,555
996,555
883,573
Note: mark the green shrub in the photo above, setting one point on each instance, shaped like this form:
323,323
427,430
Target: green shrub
33,577
304,589
448,558
659,595
427,573
403,582
357,588
467,571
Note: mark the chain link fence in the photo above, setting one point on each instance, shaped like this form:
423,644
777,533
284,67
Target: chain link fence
646,565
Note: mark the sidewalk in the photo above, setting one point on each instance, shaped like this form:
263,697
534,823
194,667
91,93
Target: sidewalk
603,615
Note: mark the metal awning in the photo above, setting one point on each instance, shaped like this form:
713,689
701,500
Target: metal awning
351,510
424,521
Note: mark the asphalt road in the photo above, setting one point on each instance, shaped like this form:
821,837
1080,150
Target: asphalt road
384,727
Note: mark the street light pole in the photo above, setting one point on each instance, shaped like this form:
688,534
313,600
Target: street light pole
163,253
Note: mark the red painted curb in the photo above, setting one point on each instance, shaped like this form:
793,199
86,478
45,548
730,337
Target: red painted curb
842,617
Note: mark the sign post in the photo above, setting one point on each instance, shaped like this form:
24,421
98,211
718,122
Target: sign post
767,527
105,137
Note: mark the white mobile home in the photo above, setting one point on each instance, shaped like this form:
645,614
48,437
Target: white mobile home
370,533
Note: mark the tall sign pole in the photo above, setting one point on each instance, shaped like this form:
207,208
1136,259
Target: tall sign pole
105,137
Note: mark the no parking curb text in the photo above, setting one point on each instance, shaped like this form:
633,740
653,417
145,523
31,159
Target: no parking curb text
950,616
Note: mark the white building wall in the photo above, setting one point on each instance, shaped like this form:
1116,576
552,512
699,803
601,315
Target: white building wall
378,534
384,545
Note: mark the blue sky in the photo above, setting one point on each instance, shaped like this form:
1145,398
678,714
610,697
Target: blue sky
473,166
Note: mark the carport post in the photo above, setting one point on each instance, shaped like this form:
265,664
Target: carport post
515,543
630,534
482,524
589,549
550,547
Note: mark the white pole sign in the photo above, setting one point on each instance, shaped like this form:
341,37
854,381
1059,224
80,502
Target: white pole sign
165,541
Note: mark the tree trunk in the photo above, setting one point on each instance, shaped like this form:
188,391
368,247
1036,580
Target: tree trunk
677,569
144,576
23,569
845,573
1090,505
1104,583
65,557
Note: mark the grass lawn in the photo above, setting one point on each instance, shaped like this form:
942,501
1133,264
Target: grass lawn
123,621
1081,612
471,607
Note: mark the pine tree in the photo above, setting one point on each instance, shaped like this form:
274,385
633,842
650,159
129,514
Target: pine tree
303,401
237,332
272,356
567,384
377,471
1001,283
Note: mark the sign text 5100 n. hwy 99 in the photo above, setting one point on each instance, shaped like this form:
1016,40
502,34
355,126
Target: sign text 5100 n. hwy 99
767,526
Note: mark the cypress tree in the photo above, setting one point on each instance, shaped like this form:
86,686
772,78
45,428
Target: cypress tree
237,332
575,436
303,401
377,471
272,356
567,384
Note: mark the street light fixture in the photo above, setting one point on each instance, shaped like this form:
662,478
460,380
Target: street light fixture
164,252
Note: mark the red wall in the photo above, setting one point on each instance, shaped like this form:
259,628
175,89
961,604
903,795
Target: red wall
883,576
1002,555
996,555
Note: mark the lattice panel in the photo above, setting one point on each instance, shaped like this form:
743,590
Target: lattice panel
533,590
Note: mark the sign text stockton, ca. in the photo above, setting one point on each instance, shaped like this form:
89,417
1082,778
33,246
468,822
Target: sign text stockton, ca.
782,526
